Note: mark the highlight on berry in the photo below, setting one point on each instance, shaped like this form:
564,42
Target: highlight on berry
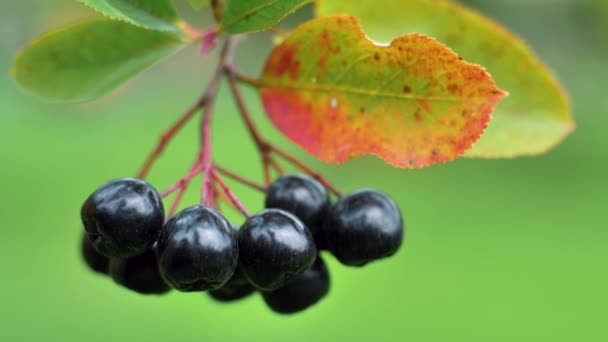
277,252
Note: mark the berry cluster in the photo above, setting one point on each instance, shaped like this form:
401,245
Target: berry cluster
275,252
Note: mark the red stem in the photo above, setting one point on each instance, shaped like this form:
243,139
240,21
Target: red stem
167,136
231,196
264,147
240,179
208,197
207,194
277,167
176,201
194,170
299,164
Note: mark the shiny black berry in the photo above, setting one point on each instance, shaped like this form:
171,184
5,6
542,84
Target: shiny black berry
275,248
139,273
300,195
238,287
93,259
123,217
303,292
197,250
363,226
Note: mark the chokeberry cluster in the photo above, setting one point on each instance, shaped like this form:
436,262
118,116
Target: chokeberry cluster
276,252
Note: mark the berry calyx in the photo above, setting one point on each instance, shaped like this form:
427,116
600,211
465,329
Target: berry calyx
197,250
139,273
123,217
363,226
303,292
94,260
275,248
300,195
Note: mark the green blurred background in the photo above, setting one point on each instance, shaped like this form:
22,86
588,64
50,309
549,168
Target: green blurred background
504,250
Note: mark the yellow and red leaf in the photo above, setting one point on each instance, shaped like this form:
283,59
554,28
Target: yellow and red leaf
338,95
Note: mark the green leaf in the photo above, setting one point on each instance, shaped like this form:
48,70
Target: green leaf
87,60
536,115
151,14
338,95
256,15
198,4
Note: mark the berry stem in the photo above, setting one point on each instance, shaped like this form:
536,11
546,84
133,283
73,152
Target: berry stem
194,170
208,197
167,136
262,145
277,167
207,193
240,179
300,165
231,196
265,148
178,198
245,115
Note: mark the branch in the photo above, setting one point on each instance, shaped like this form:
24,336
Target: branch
231,196
299,164
183,182
207,191
240,179
167,136
265,148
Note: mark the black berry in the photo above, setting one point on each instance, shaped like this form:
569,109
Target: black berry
275,248
303,292
300,195
363,226
197,250
93,259
123,217
238,287
139,273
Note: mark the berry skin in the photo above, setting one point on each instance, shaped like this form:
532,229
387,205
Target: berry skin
300,195
197,250
96,262
306,290
123,217
275,247
238,287
139,273
363,226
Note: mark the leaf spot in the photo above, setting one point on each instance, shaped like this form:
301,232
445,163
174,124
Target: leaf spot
333,103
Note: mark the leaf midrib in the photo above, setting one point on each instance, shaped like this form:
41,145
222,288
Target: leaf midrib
324,88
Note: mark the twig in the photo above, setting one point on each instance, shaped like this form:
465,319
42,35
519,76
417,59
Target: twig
167,136
299,164
194,170
264,147
240,179
207,194
277,167
176,201
231,196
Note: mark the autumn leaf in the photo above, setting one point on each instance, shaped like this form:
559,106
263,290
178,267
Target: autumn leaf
533,119
339,95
